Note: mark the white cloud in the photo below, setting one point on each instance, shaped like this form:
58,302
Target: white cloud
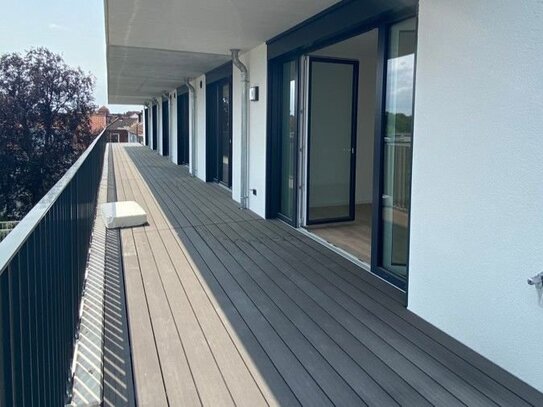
57,27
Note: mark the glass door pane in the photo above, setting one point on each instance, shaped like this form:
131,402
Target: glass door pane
289,132
397,143
331,139
183,128
165,128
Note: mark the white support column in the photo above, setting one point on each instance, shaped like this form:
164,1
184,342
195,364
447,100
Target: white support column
150,127
200,125
145,123
173,126
159,125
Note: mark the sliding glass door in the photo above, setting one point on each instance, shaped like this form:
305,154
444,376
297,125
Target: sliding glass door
331,134
397,148
219,131
225,133
154,125
165,128
183,128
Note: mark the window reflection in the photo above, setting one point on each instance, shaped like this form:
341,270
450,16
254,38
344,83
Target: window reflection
397,147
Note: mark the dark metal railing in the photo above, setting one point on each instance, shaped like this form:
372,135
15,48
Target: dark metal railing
6,227
398,156
42,266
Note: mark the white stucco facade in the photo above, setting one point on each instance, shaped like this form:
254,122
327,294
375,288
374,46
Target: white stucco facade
477,189
173,126
159,126
199,85
257,64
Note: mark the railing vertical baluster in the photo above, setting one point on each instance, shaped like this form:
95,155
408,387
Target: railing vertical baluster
15,331
47,320
59,374
49,337
38,286
6,378
24,297
32,318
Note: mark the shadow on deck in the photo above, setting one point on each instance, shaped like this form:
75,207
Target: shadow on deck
225,308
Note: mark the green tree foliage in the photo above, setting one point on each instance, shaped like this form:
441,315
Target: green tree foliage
45,107
399,123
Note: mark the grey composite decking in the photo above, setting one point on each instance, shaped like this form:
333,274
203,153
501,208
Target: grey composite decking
225,308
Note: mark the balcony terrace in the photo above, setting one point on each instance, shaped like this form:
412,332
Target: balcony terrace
220,307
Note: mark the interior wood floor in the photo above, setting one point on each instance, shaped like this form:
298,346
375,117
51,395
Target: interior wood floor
226,309
353,237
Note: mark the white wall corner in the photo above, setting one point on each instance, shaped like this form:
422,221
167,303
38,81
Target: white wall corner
477,196
173,126
257,64
200,85
159,126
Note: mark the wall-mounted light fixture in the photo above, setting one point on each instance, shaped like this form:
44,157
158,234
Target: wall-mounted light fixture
253,93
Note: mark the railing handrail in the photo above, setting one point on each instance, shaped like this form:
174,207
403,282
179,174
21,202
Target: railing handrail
18,235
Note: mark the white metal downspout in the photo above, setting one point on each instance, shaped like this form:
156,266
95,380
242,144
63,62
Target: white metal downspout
194,159
244,128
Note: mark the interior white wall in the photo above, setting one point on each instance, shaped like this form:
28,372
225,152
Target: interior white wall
256,61
364,49
200,127
477,191
173,127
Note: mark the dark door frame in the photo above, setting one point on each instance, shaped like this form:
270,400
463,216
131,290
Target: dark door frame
166,127
352,186
214,132
146,125
220,133
316,33
182,127
276,79
154,125
378,161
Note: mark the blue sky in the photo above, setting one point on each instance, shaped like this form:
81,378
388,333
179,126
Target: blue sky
73,28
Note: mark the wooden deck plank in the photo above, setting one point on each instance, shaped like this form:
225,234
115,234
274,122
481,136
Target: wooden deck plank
429,378
395,317
280,314
400,379
211,386
359,380
147,371
214,357
302,383
328,378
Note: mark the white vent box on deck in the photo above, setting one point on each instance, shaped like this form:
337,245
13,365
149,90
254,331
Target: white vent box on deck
125,214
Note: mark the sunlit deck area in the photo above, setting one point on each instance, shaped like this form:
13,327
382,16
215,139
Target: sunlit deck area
225,308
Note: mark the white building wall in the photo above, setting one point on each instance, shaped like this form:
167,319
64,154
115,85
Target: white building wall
236,129
150,127
145,122
159,126
257,64
200,126
173,127
477,192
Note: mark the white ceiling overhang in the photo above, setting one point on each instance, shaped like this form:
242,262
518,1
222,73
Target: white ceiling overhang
152,46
